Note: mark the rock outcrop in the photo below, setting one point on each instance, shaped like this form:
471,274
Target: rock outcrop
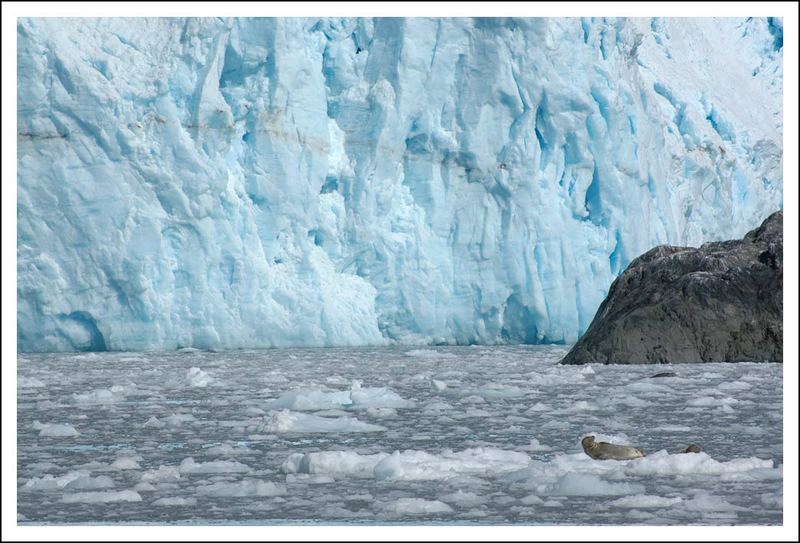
722,302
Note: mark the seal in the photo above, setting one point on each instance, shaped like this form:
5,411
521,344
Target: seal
692,449
664,374
600,450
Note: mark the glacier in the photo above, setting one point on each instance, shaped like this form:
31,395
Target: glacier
260,182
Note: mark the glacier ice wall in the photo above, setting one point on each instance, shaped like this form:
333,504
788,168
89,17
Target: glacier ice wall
274,182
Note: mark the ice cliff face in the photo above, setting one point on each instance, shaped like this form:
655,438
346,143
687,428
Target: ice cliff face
275,182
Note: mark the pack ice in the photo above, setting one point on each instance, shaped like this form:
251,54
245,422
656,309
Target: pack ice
278,182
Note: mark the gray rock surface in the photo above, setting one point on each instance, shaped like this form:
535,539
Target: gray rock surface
722,302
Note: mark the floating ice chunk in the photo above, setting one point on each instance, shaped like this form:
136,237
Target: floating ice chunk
225,449
286,421
196,377
274,377
586,484
637,514
92,465
429,353
102,497
420,465
335,462
551,379
711,401
357,397
29,382
55,430
336,380
417,506
144,487
126,389
86,356
532,499
649,388
503,500
477,413
246,487
757,474
706,502
74,480
587,370
538,407
436,406
162,474
177,419
438,386
132,359
292,463
381,412
42,466
153,422
96,396
734,386
578,407
555,424
644,501
175,501
489,392
190,467
377,397
332,413
662,463
125,462
750,430
105,395
307,479
672,428
308,399
463,499
630,401
534,446
772,500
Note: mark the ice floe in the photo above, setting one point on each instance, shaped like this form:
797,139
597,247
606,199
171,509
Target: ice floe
288,421
55,430
110,496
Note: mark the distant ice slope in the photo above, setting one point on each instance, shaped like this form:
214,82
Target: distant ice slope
274,182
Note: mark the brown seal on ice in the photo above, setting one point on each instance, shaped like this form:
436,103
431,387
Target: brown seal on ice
600,450
692,449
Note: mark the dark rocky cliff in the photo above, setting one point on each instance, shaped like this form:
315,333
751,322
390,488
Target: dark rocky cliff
722,302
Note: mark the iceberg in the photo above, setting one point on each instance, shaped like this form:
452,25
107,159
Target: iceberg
107,496
285,421
258,182
313,399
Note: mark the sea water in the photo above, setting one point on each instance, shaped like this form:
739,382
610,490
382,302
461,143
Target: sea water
417,435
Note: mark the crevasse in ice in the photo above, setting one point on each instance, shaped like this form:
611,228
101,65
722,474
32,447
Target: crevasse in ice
276,182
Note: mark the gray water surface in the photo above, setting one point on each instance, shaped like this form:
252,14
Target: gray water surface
486,435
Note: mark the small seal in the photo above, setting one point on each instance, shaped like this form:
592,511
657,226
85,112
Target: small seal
692,449
664,374
600,450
